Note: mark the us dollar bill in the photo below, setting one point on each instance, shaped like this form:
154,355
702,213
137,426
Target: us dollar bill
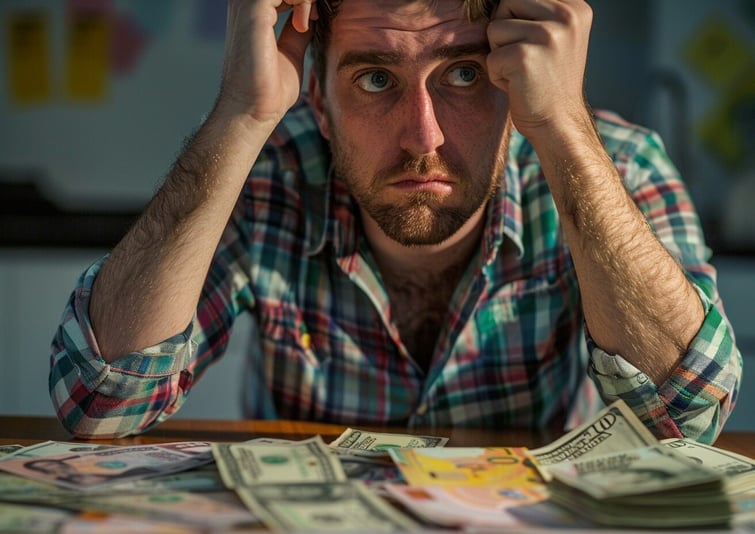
614,429
244,464
648,470
738,470
52,448
323,507
646,487
377,444
9,449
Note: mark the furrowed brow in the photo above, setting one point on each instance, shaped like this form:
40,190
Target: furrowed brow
368,57
380,57
462,50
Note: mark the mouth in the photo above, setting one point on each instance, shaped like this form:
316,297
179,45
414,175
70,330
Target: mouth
435,183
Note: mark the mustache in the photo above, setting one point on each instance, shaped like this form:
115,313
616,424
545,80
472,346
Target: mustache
422,166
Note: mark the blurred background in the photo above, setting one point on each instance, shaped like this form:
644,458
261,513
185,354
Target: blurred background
96,97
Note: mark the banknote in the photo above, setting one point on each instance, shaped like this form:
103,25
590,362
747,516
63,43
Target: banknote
202,479
9,449
472,507
377,444
243,464
651,486
738,470
323,507
23,519
92,469
487,479
614,429
656,515
15,488
468,466
646,470
53,448
209,510
94,523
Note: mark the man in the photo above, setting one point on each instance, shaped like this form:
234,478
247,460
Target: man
436,235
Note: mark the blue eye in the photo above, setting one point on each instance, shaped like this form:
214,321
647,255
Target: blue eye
463,76
374,81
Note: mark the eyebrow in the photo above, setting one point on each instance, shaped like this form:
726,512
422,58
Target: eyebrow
379,57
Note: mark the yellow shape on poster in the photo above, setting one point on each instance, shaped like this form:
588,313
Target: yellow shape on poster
718,53
728,130
28,57
88,55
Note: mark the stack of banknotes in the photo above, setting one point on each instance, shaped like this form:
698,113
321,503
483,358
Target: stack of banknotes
610,472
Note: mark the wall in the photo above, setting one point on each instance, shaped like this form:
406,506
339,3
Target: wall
34,287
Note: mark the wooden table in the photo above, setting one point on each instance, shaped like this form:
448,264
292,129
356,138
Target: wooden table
28,430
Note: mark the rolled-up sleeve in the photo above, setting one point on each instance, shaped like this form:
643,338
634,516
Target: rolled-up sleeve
701,392
94,398
698,397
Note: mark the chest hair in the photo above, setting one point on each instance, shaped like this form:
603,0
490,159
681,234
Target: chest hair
419,303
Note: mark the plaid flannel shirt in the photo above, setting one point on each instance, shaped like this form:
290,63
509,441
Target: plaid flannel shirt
514,350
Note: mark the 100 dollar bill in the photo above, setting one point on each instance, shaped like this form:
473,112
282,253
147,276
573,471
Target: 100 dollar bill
614,429
324,506
377,444
244,464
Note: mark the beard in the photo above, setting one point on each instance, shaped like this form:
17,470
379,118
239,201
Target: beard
423,217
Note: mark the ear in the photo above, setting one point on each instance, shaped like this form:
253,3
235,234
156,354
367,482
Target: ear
318,105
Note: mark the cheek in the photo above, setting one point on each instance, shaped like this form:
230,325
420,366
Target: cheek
362,132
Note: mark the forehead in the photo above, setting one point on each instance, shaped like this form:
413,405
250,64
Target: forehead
400,24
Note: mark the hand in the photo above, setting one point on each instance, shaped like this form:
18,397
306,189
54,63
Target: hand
261,77
538,56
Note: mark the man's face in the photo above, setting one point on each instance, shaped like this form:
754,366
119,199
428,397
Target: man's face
418,132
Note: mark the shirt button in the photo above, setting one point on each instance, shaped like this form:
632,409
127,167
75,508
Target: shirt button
422,409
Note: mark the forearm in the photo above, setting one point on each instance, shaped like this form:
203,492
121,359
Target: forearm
637,300
148,289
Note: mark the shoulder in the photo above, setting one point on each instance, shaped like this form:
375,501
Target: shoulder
624,139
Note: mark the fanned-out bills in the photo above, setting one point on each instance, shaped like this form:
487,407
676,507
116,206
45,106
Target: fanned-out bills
377,444
616,428
109,466
323,507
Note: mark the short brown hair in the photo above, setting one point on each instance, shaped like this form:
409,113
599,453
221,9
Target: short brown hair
328,9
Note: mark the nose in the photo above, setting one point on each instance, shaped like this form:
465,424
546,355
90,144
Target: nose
421,134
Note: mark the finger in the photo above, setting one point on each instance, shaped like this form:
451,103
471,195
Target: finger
503,32
526,9
293,43
302,15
